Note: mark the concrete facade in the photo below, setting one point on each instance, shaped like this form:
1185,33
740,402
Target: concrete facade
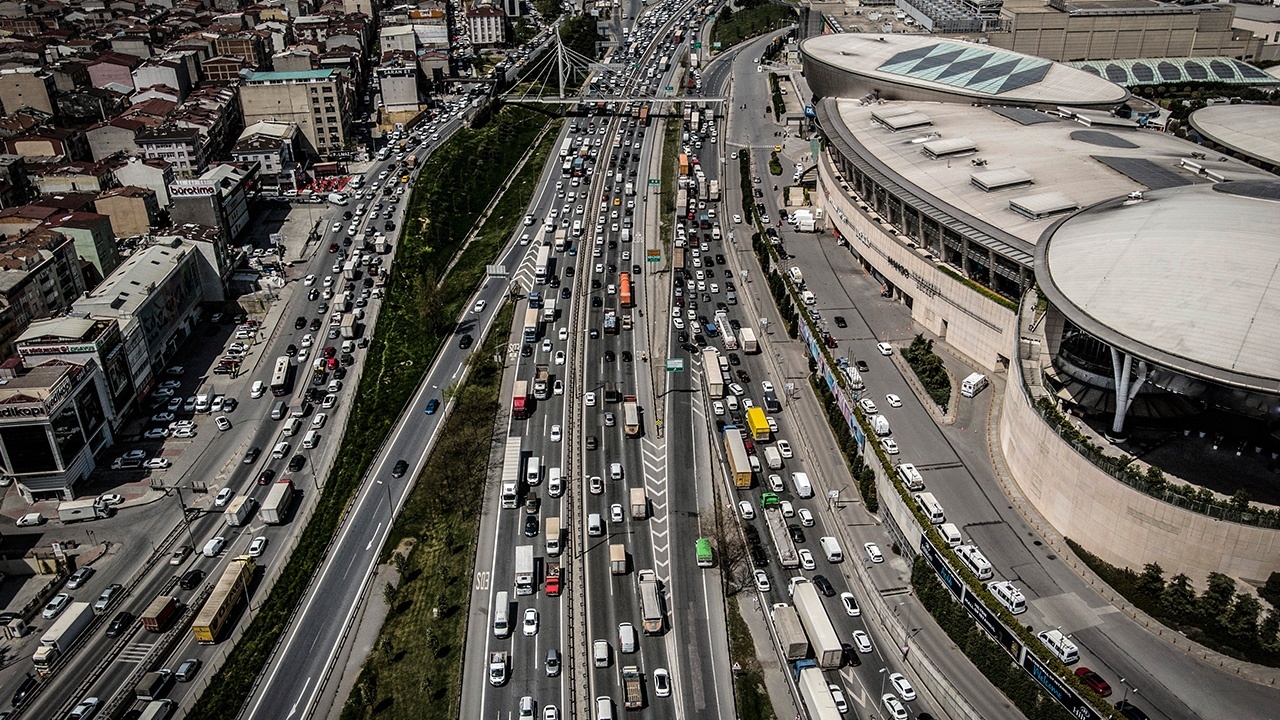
315,100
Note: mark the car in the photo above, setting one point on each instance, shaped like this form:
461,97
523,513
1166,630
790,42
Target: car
609,356
156,434
251,455
79,577
893,400
788,510
258,546
840,321
222,422
319,419
1131,711
784,447
743,377
717,407
893,707
862,641
163,417
615,513
432,406
734,359
186,672
885,349
266,477
530,525
224,497
806,517
85,710
557,388
465,341
797,535
119,623
873,552
1087,676
479,306
185,432
399,469
179,555
596,484
530,622
806,559
850,604
837,696
296,462
737,389
868,406
745,509
661,683
309,280
549,712
592,442
589,399
546,345
559,357
908,693
890,446
110,499
861,365
824,585
555,433
55,606
762,581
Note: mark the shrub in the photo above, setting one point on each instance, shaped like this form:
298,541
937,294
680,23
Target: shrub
929,368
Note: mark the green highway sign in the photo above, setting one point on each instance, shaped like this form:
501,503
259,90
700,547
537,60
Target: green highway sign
654,182
675,364
670,89
697,46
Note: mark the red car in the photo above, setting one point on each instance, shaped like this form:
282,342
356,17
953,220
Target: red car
1094,680
330,351
266,477
333,247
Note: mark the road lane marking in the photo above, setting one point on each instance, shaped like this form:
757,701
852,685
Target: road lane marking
373,537
294,709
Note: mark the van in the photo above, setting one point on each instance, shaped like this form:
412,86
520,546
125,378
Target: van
1009,596
553,536
279,410
604,708
831,548
930,506
808,298
797,277
801,483
731,297
731,401
311,439
600,653
555,482
950,533
755,464
974,560
533,470
627,640
158,710
292,426
280,450
258,389
973,384
910,476
595,525
501,611
1060,645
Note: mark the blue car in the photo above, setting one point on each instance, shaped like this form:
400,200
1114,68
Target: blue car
432,405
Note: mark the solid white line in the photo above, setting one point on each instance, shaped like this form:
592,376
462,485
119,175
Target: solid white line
372,537
294,709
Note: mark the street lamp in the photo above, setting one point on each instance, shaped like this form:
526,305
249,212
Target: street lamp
1127,688
387,487
884,674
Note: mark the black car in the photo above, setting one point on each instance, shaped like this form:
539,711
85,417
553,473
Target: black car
30,683
191,579
530,525
797,535
252,454
861,365
720,259
682,336
400,469
315,323
850,655
700,340
554,282
743,377
291,350
596,301
609,356
339,373
689,347
266,476
526,350
346,215
824,585
626,356
300,323
465,341
840,321
568,271
1131,711
734,359
388,225
296,462
735,324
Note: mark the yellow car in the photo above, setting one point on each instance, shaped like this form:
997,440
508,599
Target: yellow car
404,178
617,201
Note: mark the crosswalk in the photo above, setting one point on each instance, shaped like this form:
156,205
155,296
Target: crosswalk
135,652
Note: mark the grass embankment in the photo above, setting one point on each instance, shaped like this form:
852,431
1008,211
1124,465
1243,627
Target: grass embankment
415,669
749,692
451,191
670,179
755,17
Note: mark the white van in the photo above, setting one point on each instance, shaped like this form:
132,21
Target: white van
258,389
973,384
831,548
555,482
950,533
627,640
292,426
797,277
910,476
974,560
1060,645
930,506
808,298
501,608
604,708
1009,596
533,470
600,653
800,481
755,464
731,401
280,450
595,525
311,439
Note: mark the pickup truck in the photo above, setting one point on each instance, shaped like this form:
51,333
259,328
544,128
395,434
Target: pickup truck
497,668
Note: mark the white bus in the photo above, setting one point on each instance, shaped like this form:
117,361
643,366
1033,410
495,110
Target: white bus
280,376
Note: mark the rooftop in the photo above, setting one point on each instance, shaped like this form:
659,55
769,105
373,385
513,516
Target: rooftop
130,284
1248,129
291,76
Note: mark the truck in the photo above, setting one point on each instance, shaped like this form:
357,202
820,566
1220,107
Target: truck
618,559
880,425
541,382
747,338
535,299
380,244
711,373
542,265
498,668
77,510
817,625
204,398
757,424
520,400
644,115
348,328
217,609
683,158
713,191
771,404
276,505
554,586
158,614
61,634
814,692
549,310
524,570
853,377
610,322
412,161
790,632
632,697
531,324
631,188
639,504
772,457
693,60
239,511
650,601
787,555
735,451
561,240
631,416
511,465
351,268
682,202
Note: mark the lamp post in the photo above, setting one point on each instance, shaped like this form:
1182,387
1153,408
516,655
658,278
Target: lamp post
1127,688
387,486
884,675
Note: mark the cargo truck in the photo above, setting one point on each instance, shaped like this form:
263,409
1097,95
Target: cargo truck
772,457
520,400
787,556
217,609
204,398
747,338
511,464
348,328
531,323
631,416
651,601
549,310
239,511
735,452
158,614
713,191
639,504
610,322
758,425
380,244
618,559
60,636
276,504
790,632
554,586
541,382
498,668
77,510
711,373
817,625
351,268
633,698
814,692
880,425
524,570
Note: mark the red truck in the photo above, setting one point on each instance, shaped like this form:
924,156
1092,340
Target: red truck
553,579
159,613
520,400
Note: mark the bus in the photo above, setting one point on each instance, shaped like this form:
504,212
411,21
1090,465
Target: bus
280,376
541,268
631,416
705,558
624,290
233,585
565,147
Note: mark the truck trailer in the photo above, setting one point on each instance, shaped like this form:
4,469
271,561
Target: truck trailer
790,632
817,625
276,505
787,555
158,614
61,635
736,453
511,464
651,602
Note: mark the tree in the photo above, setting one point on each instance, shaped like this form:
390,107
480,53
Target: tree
1216,599
389,594
1179,599
1240,501
1269,631
1151,581
1241,622
1271,590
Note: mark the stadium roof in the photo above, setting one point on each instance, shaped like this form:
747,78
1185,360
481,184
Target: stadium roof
1188,278
1248,129
962,69
1154,71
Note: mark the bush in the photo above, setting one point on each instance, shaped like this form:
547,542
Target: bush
863,476
928,367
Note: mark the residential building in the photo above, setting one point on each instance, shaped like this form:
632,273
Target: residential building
219,199
275,146
49,142
170,71
222,69
488,25
152,173
113,68
27,87
181,146
133,210
315,100
39,274
71,177
398,80
93,237
217,259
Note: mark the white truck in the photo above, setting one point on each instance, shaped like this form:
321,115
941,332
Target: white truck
880,424
76,510
61,635
511,465
790,631
817,625
498,668
276,504
711,373
747,338
773,458
787,556
524,570
204,398
239,511
651,601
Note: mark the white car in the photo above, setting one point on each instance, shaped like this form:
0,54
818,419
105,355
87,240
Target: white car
893,400
589,399
862,641
309,280
775,483
186,432
889,445
762,581
307,340
157,464
55,606
564,334
597,485
868,405
717,407
530,622
784,448
224,497
903,686
806,517
479,306
885,349
555,433
258,546
678,323
745,509
111,499
559,357
737,389
319,419
766,386
893,707
558,388
546,345
222,423
615,513
850,604
788,510
837,695
806,559
873,552
737,219
661,683
156,434
773,426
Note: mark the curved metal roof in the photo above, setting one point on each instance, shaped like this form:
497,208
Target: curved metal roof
1248,129
1188,278
1155,71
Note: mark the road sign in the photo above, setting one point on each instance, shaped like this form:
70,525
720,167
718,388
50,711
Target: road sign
697,46
670,88
654,182
675,364
654,255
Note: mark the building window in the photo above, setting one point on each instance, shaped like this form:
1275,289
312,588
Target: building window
28,449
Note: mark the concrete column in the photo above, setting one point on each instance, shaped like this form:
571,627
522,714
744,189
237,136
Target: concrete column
1127,386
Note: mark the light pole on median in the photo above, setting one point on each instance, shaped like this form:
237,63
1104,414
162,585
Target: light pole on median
387,486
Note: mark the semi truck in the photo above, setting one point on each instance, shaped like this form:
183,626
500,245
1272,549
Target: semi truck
610,322
651,601
158,614
531,324
815,692
631,416
520,400
711,373
787,556
554,586
276,505
790,632
524,570
511,473
735,452
817,625
77,510
498,668
60,636
633,697
639,504
618,559
757,424
541,382
239,511
747,338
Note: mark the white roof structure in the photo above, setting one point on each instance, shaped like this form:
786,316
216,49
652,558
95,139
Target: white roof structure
1248,129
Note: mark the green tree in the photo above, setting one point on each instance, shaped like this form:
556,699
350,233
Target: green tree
1271,590
1151,581
1240,501
1241,622
1216,599
1269,631
1179,599
579,34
